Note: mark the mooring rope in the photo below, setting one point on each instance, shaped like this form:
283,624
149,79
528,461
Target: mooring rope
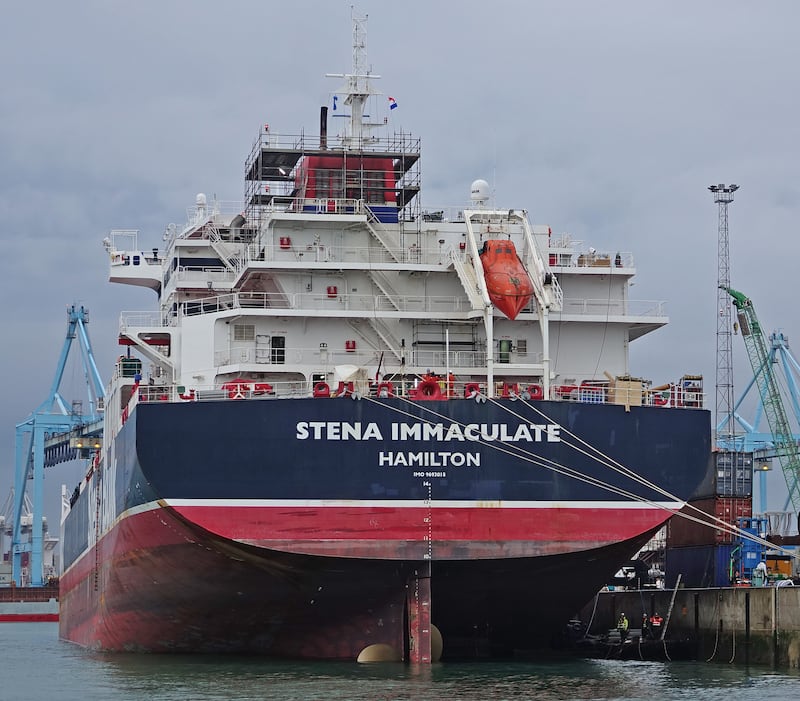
590,452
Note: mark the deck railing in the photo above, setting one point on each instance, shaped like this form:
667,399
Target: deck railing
360,304
675,397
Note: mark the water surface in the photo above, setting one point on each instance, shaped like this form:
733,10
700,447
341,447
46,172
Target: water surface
36,666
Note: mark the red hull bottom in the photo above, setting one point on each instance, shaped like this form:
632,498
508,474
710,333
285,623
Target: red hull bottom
166,586
160,584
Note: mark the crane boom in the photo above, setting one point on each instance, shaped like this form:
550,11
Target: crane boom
786,448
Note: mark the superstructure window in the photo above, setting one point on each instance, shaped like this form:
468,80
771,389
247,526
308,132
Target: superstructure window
278,349
522,346
244,332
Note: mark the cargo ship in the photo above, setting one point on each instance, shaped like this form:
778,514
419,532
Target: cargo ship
29,604
25,603
355,425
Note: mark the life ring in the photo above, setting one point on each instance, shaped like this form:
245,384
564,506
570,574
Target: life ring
471,389
429,389
535,391
385,389
189,396
321,389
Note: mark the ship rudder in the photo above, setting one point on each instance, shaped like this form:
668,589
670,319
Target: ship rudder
419,615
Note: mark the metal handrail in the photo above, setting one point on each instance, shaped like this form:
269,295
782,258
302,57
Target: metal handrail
317,301
267,389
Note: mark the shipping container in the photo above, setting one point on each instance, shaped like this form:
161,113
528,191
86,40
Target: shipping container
732,476
702,565
683,532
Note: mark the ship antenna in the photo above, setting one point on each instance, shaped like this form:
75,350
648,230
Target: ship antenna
357,88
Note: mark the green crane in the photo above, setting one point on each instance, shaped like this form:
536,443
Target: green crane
784,444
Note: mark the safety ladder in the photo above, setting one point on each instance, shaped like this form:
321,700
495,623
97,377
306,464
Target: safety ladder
671,605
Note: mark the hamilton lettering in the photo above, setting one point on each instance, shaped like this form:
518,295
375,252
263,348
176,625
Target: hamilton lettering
429,459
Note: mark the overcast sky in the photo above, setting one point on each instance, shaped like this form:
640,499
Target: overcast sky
607,120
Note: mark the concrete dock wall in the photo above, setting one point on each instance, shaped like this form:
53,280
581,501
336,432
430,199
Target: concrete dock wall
737,625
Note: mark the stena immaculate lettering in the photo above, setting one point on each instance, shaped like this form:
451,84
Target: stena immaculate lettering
427,432
338,431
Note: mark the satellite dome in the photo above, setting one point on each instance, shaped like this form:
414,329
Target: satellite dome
479,192
200,200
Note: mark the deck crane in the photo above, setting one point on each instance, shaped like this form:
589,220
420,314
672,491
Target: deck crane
785,446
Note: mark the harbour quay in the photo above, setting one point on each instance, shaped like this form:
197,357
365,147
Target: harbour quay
737,625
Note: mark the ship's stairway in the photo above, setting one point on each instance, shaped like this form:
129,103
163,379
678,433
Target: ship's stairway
149,351
382,282
383,330
558,294
468,276
231,263
377,334
383,236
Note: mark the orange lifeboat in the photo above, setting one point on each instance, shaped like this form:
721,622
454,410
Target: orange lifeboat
507,281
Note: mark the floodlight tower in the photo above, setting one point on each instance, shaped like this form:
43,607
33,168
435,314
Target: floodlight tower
723,196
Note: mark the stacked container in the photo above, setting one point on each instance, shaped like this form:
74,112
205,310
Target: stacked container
704,555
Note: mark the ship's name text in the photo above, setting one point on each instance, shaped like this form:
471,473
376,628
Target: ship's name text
358,431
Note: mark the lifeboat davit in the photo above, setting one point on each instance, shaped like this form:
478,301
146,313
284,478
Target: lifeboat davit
507,281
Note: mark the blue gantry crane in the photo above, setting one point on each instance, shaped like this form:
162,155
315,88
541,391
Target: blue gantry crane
780,442
56,431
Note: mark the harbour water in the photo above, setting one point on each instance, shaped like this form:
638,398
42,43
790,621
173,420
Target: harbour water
36,665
